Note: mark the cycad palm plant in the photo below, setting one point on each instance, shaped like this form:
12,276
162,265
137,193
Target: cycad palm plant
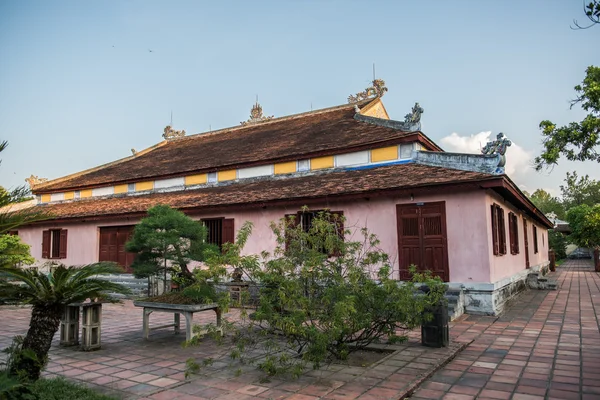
48,295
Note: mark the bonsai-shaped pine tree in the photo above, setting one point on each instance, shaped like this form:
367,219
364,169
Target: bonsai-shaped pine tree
166,238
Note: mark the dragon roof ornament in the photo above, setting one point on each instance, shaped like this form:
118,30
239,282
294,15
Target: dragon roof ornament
256,115
378,89
33,180
498,146
170,133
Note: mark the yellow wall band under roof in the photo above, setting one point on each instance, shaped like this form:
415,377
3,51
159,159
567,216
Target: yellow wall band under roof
285,168
228,175
321,162
384,154
195,179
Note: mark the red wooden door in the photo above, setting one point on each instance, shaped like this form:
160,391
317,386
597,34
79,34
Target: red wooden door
422,238
112,246
526,243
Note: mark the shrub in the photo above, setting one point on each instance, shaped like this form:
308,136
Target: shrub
323,297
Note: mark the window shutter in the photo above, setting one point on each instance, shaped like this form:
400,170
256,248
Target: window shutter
501,231
297,217
513,230
339,223
62,252
46,244
228,231
495,246
339,226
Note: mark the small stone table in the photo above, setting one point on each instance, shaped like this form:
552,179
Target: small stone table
186,309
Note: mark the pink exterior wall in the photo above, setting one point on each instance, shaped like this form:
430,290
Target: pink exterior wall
508,264
468,247
468,225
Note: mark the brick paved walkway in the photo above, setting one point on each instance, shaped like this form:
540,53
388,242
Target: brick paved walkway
546,346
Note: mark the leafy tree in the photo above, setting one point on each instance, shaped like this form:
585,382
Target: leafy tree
166,237
11,218
323,297
584,222
557,242
546,203
13,251
580,190
577,141
592,11
48,295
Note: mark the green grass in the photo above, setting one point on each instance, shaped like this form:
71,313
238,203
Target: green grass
61,389
558,262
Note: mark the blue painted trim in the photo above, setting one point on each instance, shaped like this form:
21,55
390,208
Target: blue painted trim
370,166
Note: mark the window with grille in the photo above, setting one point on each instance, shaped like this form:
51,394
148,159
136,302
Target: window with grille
220,230
535,240
305,220
54,243
513,231
498,230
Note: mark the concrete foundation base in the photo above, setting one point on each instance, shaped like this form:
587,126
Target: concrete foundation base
491,298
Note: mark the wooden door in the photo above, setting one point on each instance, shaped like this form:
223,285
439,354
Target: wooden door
526,243
422,238
112,246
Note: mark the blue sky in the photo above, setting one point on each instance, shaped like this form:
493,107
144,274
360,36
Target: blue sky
79,86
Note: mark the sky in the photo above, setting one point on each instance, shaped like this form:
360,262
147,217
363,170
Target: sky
82,82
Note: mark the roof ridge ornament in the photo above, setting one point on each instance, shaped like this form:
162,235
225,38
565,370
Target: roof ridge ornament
170,133
498,146
377,89
256,115
33,180
412,120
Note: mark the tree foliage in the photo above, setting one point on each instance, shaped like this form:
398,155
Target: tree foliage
12,217
584,221
577,141
323,296
580,190
557,242
592,11
48,295
166,238
13,251
547,203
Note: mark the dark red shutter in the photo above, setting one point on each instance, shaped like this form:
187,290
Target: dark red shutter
228,231
63,244
501,231
339,226
46,244
288,217
495,245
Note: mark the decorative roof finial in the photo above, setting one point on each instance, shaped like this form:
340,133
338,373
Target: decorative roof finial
33,180
498,146
170,133
378,89
256,115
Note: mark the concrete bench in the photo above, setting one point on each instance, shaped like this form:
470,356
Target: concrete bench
176,309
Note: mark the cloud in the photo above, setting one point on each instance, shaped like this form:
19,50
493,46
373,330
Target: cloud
518,160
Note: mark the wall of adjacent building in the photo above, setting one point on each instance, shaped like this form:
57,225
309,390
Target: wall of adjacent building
507,265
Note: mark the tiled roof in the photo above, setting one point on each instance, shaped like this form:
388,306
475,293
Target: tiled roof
283,139
292,189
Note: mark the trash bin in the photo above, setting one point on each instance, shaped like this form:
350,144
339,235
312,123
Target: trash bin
435,332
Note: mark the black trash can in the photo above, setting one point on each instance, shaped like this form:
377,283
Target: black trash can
435,332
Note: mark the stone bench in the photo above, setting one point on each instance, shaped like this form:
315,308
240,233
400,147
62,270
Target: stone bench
186,309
